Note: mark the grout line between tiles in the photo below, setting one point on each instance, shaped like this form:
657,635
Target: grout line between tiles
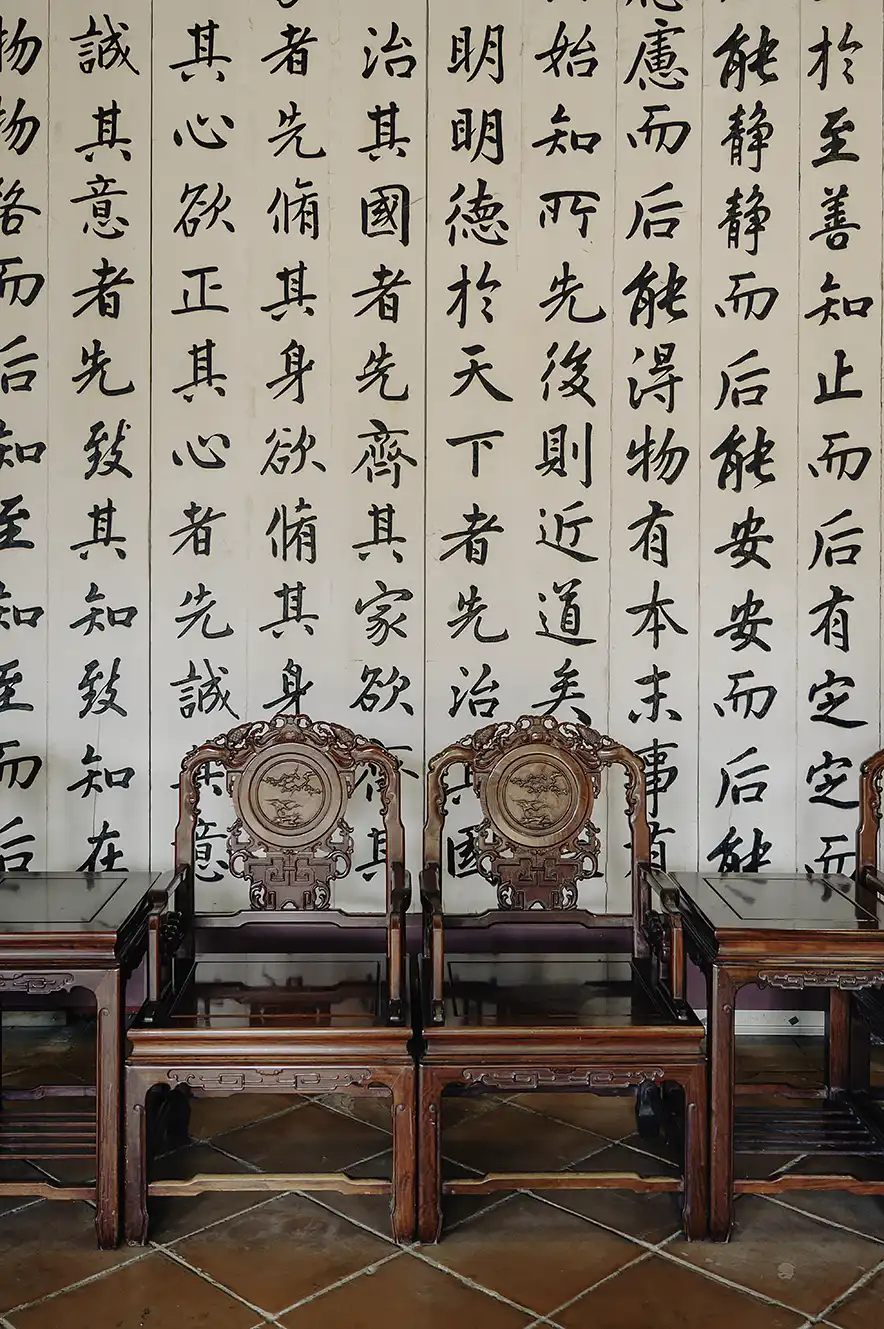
234,1158
207,1278
259,1121
323,1204
351,1116
587,1130
640,1259
480,1213
26,1204
342,1282
259,1204
595,1222
253,1167
829,1222
728,1282
860,1283
418,1254
80,1282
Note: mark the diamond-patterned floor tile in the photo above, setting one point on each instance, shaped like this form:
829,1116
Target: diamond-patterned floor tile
58,1054
405,1291
48,1246
659,1293
174,1216
863,1213
863,1309
281,1252
510,1140
309,1139
785,1255
611,1116
211,1116
533,1254
154,1292
648,1217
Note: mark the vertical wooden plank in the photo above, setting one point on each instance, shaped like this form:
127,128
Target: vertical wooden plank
749,456
99,357
24,431
839,422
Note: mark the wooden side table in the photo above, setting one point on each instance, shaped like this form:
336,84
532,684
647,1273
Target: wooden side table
60,931
789,932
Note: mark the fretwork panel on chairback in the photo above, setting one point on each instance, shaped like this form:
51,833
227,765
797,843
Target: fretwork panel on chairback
537,782
290,780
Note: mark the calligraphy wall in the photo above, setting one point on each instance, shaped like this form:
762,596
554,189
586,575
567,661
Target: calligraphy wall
426,362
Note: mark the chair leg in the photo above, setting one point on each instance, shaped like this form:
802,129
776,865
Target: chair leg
109,1050
429,1213
695,1216
838,1041
404,1200
860,1052
135,1194
721,1104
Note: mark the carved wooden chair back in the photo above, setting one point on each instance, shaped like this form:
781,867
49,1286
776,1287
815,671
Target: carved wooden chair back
537,780
289,779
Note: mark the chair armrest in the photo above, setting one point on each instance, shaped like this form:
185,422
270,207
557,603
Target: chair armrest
433,940
400,890
664,886
667,924
180,890
874,880
158,901
169,917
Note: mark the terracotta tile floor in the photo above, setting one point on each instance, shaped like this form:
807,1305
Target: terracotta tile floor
611,1260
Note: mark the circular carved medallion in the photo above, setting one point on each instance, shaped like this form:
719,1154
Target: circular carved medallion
538,796
291,795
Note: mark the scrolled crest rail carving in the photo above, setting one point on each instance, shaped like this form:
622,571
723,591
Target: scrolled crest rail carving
540,1077
271,1077
798,979
35,984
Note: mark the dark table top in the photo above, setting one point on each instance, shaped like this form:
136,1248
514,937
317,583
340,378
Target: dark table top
72,902
780,902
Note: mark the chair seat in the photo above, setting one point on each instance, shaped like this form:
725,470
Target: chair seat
260,991
599,991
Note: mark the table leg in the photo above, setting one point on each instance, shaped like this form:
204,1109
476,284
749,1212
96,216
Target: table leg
429,1200
838,1041
109,1046
696,1168
404,1205
860,1052
720,1032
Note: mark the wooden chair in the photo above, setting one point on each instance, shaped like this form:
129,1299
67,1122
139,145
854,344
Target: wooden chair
869,1018
327,1007
593,1011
